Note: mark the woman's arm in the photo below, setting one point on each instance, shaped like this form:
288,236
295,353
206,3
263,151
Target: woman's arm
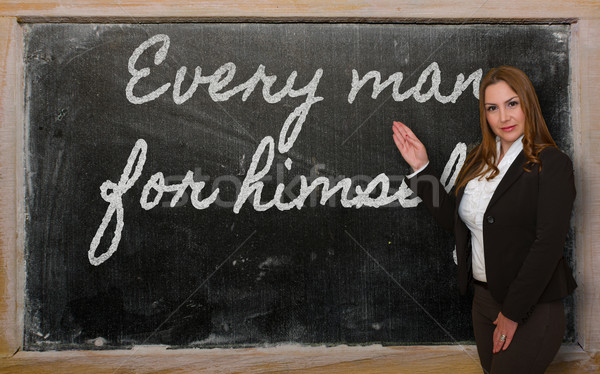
426,183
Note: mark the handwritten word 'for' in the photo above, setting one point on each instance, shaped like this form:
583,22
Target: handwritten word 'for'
253,183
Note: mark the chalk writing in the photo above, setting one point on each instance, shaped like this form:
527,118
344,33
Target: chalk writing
115,201
219,80
395,80
252,184
252,187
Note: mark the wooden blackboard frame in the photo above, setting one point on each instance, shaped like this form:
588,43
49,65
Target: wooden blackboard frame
584,16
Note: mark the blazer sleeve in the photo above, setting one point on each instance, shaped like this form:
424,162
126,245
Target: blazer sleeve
556,193
440,204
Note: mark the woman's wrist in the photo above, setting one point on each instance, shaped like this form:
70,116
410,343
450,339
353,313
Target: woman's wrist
418,170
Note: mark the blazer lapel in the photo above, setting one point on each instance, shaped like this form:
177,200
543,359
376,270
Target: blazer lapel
459,196
512,174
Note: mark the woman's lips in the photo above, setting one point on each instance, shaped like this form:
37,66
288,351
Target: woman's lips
509,128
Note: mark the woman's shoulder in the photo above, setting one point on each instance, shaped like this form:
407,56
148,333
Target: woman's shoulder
553,154
555,158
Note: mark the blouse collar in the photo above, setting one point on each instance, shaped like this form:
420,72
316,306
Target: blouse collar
513,151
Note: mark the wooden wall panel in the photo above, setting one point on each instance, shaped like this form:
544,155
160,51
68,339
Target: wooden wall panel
9,83
426,9
587,158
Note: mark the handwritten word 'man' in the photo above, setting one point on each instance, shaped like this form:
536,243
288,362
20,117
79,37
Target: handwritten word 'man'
395,80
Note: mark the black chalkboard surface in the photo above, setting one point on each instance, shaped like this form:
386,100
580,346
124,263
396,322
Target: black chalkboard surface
196,184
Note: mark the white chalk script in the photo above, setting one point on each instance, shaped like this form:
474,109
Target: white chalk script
115,201
395,79
219,80
252,187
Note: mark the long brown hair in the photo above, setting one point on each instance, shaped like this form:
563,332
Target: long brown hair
536,137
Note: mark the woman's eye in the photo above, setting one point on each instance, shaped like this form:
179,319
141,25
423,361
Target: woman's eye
491,108
513,104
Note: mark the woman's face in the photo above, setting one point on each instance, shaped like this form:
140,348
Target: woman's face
504,113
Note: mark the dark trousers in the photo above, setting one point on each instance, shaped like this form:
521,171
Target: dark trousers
534,344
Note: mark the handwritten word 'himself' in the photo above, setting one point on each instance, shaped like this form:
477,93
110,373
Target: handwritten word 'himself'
113,193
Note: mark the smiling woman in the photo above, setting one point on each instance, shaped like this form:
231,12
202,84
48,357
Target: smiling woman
510,219
504,114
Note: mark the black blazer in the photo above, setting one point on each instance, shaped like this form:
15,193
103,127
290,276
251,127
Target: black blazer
524,231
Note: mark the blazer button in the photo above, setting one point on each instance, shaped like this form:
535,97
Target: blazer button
490,219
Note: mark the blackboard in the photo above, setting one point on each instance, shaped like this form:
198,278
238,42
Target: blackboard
107,109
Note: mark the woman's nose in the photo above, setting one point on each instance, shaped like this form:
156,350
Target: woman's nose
504,116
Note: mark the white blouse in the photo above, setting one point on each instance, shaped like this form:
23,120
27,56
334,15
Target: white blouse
477,196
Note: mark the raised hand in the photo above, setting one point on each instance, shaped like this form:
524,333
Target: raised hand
410,146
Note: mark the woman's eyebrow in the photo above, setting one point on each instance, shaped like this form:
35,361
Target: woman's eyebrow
516,96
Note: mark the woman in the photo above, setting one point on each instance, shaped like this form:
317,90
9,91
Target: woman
510,217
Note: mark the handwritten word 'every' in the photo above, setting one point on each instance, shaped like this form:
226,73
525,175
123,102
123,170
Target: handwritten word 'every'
113,192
